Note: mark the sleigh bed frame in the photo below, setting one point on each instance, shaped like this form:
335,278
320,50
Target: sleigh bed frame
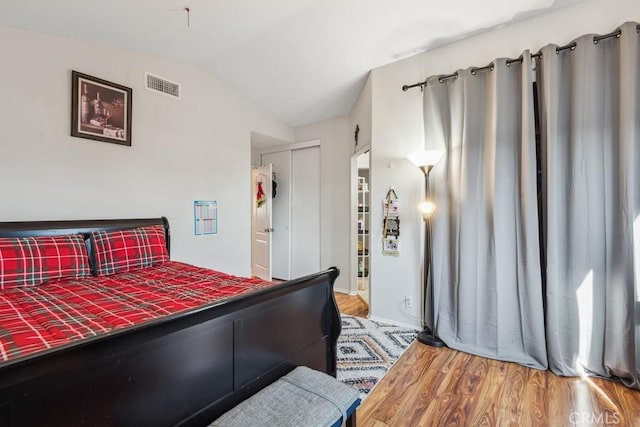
183,369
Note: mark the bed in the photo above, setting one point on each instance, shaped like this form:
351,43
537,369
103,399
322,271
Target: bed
183,368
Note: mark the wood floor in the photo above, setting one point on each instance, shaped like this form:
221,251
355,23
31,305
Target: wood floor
351,305
444,387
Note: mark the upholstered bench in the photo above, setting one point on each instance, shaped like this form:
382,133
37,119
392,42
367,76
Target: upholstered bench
303,398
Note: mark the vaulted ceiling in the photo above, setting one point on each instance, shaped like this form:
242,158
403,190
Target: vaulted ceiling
302,60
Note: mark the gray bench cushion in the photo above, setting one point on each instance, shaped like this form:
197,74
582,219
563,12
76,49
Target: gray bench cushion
304,397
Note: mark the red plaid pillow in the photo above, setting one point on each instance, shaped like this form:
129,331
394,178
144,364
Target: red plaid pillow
31,261
126,250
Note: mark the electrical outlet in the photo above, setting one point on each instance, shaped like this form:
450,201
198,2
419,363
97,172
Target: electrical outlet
408,303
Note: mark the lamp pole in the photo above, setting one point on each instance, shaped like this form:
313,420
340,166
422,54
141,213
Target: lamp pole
426,160
428,335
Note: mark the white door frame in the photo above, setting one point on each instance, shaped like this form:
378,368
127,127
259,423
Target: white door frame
288,147
353,280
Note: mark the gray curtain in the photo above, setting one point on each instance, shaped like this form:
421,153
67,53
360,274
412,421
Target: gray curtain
485,253
590,129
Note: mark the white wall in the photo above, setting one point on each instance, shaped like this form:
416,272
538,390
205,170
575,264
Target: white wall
195,148
361,115
336,147
397,128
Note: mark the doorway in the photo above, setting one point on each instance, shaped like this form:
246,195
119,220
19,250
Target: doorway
295,208
362,228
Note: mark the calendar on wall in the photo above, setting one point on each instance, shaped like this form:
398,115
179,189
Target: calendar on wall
205,216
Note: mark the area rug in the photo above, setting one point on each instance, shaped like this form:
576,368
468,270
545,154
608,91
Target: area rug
368,349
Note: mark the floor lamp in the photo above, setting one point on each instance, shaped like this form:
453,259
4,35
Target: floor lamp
426,160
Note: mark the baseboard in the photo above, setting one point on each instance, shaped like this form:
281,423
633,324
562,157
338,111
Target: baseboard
345,291
395,322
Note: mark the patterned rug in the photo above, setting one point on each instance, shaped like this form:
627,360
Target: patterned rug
368,349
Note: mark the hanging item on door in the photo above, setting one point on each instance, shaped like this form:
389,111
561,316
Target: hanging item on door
260,197
391,224
274,185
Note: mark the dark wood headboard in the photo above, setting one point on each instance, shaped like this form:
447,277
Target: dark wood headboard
85,227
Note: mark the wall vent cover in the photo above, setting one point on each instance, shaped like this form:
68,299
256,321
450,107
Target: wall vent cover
162,85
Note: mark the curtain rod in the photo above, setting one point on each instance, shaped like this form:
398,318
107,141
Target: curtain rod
474,71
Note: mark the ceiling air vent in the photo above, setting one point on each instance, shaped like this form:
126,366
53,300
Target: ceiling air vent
160,85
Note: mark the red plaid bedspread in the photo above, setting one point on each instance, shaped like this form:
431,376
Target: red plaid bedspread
37,318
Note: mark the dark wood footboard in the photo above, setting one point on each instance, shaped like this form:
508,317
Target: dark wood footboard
185,369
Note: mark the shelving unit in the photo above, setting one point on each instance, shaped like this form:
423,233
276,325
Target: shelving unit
363,233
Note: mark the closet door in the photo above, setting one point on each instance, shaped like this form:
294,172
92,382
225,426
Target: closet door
305,211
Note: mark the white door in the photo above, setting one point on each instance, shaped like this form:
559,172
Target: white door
280,214
261,222
305,211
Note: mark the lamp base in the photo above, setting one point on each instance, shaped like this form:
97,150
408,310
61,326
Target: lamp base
426,337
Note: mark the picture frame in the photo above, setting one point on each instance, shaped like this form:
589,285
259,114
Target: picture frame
100,110
391,227
390,246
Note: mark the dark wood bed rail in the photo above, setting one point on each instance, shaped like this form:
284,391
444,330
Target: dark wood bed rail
184,369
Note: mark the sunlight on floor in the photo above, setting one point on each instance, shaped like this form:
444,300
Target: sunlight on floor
586,412
582,399
604,396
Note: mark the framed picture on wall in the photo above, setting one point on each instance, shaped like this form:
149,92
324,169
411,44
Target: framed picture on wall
100,110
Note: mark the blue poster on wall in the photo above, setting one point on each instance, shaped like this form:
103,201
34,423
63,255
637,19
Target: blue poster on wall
205,216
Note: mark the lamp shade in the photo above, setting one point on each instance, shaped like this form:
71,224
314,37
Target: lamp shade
426,208
425,158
